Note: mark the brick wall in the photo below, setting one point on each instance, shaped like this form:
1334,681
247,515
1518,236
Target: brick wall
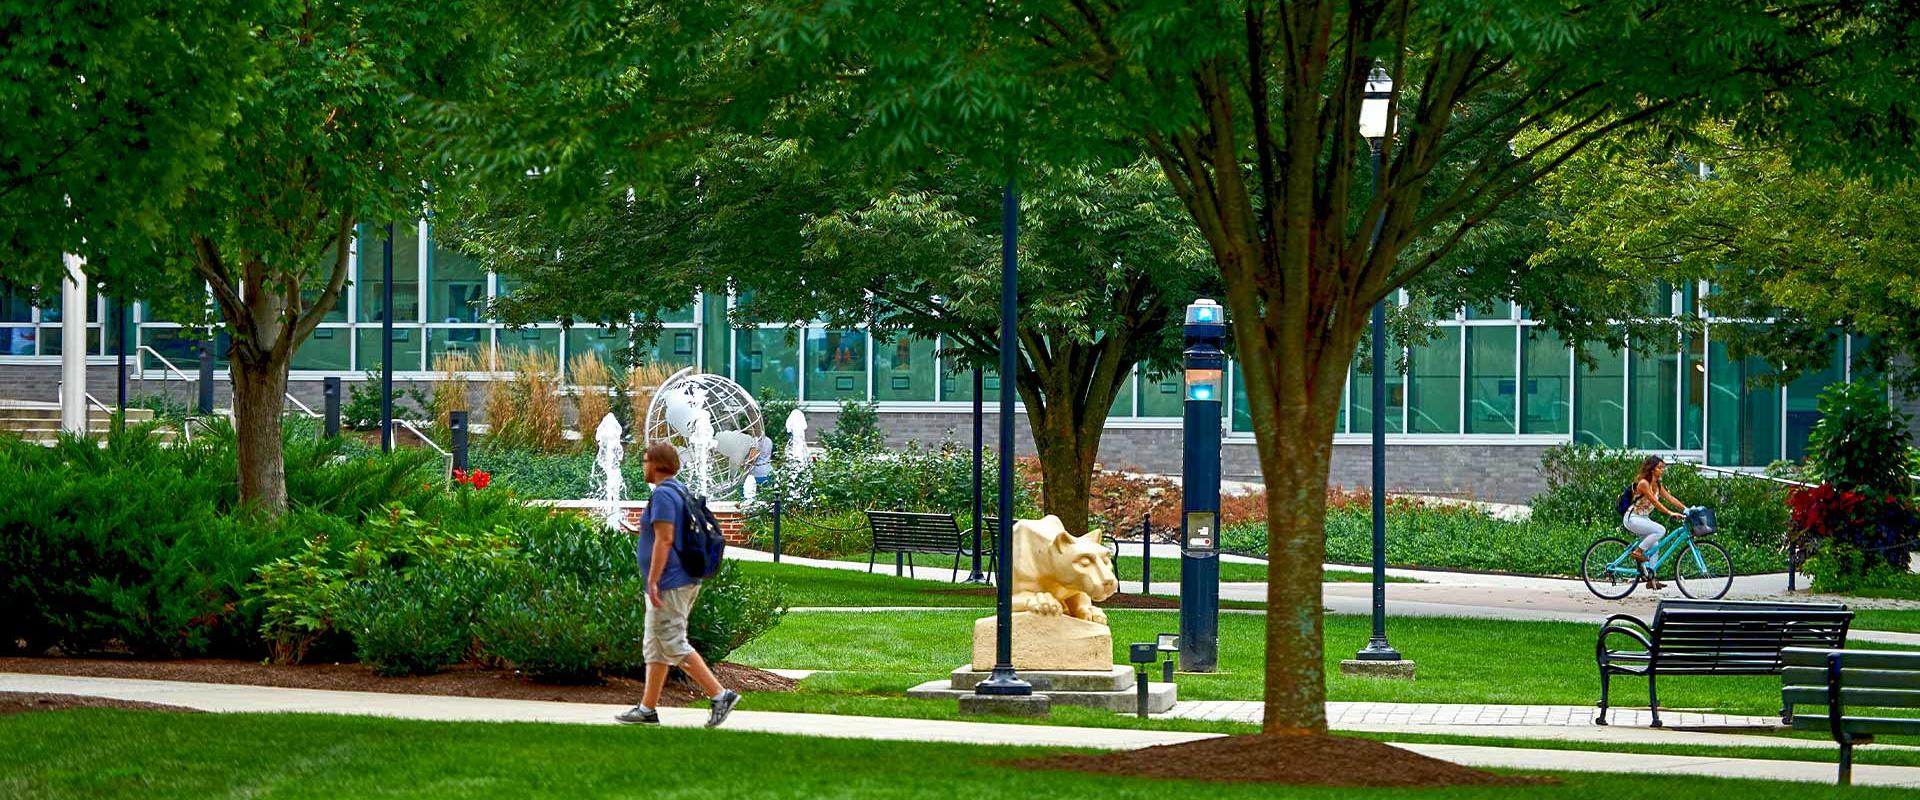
733,525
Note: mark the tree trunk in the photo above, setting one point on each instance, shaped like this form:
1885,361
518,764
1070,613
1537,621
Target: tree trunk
1296,691
259,398
1066,475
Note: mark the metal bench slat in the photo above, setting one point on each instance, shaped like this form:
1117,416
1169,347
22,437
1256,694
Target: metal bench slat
1871,726
1852,659
1849,677
1851,696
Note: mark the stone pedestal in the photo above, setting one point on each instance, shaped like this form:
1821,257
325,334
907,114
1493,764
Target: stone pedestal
1052,643
1030,705
1399,670
1111,689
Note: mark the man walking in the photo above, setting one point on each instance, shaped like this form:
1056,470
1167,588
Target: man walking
670,595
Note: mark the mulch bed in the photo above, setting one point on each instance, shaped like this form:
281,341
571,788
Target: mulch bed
460,681
1292,760
24,702
1116,601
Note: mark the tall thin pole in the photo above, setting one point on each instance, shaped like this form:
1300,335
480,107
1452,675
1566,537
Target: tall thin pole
979,455
386,343
126,341
1377,648
1004,681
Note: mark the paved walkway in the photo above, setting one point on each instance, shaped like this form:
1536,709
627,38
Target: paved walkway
1410,716
226,698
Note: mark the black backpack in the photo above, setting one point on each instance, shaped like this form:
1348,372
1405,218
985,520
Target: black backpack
1626,498
700,544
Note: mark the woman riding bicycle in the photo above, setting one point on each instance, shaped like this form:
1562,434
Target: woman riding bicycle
1648,494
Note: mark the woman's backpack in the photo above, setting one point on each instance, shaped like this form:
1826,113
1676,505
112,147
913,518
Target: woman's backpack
1626,498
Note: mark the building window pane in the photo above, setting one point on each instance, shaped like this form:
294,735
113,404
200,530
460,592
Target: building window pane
18,340
327,348
1498,309
1803,397
1162,395
1546,406
471,343
608,343
1242,416
1492,386
406,274
406,347
1360,396
1122,399
115,313
1653,385
1862,365
765,361
836,364
457,284
685,314
1743,420
674,347
903,369
545,342
1600,406
1434,400
16,304
180,347
713,316
1693,373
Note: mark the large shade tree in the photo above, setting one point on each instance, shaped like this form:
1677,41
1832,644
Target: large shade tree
304,134
1251,111
1108,261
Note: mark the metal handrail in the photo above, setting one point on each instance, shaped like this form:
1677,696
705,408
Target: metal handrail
142,366
422,436
97,404
1760,476
302,406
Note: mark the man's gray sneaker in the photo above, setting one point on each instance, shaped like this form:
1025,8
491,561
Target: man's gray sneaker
638,715
722,706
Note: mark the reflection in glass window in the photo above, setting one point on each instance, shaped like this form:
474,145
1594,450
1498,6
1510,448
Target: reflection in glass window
1492,387
1693,374
1162,395
1600,412
765,361
457,284
678,347
1803,396
1743,419
1122,399
1498,309
470,343
327,348
608,343
407,347
1433,403
1653,385
406,274
836,364
1547,373
1360,396
903,369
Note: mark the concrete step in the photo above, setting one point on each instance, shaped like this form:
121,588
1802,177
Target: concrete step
44,413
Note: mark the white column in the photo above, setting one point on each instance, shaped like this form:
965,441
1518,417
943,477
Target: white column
73,345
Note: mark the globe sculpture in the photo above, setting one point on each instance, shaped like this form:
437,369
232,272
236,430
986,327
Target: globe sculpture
713,422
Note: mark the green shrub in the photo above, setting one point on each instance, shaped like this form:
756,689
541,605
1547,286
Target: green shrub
856,429
825,536
417,624
1584,484
910,478
564,630
298,597
774,410
1861,442
732,610
550,476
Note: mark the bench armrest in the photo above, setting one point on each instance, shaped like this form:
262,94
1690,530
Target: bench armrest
1835,710
1621,625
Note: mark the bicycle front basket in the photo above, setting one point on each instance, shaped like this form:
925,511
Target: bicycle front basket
1701,521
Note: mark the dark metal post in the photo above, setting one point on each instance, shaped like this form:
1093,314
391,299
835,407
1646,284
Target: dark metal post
979,448
206,376
386,343
1377,648
1206,366
457,431
330,393
125,342
1004,681
776,530
1146,553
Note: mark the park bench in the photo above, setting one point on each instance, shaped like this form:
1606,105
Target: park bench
1713,637
906,533
1851,685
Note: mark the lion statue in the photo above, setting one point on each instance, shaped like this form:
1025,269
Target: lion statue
1056,572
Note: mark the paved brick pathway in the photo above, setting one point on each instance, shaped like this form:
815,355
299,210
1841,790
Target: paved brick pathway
1410,716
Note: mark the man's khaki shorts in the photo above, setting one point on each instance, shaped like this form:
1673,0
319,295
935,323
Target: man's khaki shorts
666,636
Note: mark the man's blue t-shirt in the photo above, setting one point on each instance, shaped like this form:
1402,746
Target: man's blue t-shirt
667,504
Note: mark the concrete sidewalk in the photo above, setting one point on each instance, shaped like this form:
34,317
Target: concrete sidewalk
257,699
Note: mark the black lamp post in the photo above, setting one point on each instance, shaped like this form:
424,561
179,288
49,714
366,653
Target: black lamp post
386,343
979,445
1004,681
1374,126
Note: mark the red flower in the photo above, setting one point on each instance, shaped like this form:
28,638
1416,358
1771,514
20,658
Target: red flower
480,479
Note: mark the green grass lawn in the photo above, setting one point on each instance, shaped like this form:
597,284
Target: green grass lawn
1460,660
98,753
1876,619
1863,754
840,588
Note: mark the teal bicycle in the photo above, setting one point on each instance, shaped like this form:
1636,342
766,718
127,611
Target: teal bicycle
1701,568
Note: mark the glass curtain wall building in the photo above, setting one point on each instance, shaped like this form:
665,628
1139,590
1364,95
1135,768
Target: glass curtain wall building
1489,375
